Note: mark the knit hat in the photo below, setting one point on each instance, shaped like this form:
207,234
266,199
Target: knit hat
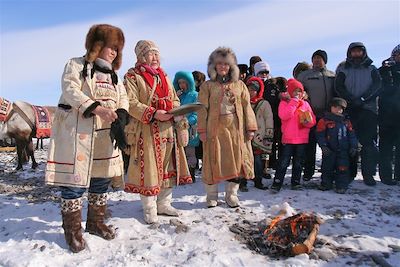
338,102
322,54
243,68
395,50
293,84
144,46
261,66
100,36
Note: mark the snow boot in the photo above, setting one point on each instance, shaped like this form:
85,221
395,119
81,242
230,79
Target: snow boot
212,195
95,217
71,223
164,207
231,196
149,209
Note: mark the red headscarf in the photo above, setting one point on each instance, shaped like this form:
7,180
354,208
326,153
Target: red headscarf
260,93
162,91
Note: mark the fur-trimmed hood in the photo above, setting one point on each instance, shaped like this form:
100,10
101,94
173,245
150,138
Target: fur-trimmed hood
188,77
227,55
101,35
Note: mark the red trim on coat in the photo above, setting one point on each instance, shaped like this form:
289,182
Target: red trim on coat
146,191
63,163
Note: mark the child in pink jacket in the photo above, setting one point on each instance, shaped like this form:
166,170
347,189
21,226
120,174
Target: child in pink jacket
297,118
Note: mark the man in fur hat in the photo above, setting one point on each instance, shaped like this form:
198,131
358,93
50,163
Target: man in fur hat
226,127
82,154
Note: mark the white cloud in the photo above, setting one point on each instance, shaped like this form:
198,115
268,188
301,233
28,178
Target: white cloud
284,31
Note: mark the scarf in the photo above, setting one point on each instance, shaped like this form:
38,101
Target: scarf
164,101
97,67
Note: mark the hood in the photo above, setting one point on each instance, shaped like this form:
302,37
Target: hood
366,61
188,77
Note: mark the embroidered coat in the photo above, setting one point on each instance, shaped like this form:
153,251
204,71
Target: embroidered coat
80,146
227,153
156,160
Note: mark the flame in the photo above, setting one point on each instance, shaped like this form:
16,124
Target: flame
273,223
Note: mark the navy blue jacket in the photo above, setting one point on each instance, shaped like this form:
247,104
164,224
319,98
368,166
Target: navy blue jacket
336,133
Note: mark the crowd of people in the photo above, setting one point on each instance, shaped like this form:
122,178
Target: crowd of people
252,126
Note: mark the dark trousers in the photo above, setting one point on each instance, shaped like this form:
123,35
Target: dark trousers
311,151
289,151
335,167
258,170
365,123
97,186
389,137
276,148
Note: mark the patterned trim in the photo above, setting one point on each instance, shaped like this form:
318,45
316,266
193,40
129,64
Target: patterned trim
71,205
157,142
141,162
146,191
97,199
169,175
185,180
148,115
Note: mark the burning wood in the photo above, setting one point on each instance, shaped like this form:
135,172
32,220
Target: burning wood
282,237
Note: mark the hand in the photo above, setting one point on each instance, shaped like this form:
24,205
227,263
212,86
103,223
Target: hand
357,103
284,96
105,113
353,152
178,118
250,135
203,137
162,115
326,151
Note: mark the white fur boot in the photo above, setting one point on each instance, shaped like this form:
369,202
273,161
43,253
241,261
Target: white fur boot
231,196
212,195
149,209
164,207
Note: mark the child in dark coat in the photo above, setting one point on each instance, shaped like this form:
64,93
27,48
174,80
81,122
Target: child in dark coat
336,137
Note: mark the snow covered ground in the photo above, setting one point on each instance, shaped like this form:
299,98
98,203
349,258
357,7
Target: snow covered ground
362,223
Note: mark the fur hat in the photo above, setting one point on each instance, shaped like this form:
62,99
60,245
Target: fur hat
261,66
300,67
322,54
100,36
144,46
293,84
227,55
338,102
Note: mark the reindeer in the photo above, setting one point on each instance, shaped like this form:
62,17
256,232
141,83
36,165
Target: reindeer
21,125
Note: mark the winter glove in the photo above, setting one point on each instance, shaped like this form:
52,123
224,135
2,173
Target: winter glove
326,151
353,152
117,131
357,103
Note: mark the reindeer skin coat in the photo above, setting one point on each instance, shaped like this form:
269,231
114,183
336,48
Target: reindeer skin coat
81,148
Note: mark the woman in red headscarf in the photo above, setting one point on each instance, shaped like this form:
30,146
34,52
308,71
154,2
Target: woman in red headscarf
156,139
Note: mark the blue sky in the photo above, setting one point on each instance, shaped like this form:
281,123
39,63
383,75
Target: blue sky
38,37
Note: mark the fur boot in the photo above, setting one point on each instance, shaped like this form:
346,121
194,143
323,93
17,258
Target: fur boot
71,223
231,196
149,209
212,195
164,207
95,217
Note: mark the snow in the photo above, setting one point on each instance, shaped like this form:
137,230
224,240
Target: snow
363,222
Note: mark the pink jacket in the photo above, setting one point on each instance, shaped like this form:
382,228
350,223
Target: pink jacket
292,131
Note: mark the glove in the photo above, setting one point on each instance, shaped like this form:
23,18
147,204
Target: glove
353,152
117,131
326,151
357,103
